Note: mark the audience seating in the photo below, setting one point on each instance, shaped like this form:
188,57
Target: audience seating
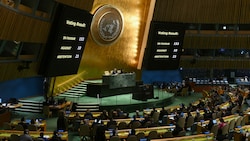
39,139
122,125
140,135
238,121
32,127
19,127
207,137
182,133
227,119
131,138
181,122
225,129
167,135
40,126
135,124
155,117
7,126
244,120
214,115
7,134
214,130
14,137
239,131
153,135
190,122
84,130
231,125
115,138
218,114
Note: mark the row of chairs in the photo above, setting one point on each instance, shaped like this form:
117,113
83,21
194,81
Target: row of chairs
15,137
19,127
141,135
230,126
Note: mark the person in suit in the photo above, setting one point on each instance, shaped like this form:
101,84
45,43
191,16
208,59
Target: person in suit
177,130
23,123
55,137
152,112
115,71
42,136
111,122
25,136
162,113
132,121
62,122
88,115
100,133
210,124
132,132
222,123
104,115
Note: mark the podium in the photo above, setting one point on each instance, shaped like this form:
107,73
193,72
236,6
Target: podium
143,92
122,80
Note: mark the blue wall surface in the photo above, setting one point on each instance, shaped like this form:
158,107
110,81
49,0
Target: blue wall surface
20,88
151,76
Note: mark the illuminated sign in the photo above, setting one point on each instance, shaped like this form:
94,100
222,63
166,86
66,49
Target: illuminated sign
164,46
66,42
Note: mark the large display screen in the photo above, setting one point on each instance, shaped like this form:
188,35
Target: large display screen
164,46
66,42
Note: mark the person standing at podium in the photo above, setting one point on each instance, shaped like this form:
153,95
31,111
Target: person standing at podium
115,71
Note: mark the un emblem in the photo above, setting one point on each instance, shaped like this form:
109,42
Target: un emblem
107,25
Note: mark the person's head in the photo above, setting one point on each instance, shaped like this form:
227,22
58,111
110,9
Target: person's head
221,120
132,132
41,134
210,120
104,111
22,119
134,117
32,121
26,131
55,133
61,113
137,112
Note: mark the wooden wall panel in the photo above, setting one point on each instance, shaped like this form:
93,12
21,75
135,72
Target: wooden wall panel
81,4
15,26
19,27
198,11
209,63
9,71
216,42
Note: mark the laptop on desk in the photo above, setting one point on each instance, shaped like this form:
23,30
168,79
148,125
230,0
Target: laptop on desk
28,121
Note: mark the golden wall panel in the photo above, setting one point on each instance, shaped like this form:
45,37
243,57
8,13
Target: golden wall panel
123,53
